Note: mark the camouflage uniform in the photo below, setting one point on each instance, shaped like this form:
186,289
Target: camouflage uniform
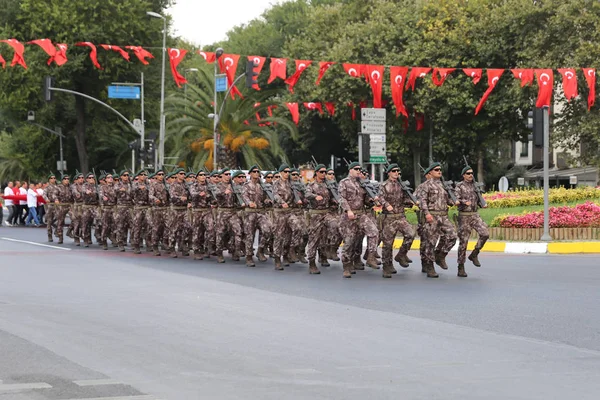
158,196
65,198
89,208
202,222
391,194
228,220
288,225
139,195
51,195
469,219
324,223
420,223
122,216
75,226
434,200
354,198
256,218
108,194
177,229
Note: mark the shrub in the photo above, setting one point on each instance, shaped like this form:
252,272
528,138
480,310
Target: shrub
536,197
585,215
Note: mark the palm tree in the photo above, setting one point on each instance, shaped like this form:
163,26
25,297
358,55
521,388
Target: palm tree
244,140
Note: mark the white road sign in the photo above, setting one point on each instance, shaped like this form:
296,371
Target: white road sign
377,149
372,127
372,114
377,138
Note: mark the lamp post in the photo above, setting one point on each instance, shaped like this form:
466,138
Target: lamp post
161,138
218,54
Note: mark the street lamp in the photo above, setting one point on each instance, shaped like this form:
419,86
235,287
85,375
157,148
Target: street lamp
218,54
161,139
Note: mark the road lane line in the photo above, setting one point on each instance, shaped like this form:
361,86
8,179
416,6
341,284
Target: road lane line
97,382
134,397
20,387
35,244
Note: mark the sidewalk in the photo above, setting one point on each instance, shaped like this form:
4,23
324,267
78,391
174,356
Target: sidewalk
524,247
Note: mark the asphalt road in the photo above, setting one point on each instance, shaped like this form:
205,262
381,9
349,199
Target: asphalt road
86,323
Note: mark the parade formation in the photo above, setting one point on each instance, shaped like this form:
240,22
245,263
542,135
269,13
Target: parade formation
222,211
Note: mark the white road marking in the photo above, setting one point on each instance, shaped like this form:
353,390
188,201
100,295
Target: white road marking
36,244
141,397
20,387
97,382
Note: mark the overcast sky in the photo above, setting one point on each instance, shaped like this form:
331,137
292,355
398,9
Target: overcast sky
205,22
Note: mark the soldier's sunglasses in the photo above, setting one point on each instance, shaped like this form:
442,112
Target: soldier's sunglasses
357,168
254,172
227,174
201,174
269,177
321,172
437,169
395,170
181,173
125,175
294,174
468,173
330,173
160,174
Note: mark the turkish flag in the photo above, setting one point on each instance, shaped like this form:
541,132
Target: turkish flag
47,46
493,78
228,65
351,105
278,69
61,54
93,53
416,72
175,57
354,70
474,73
375,74
2,61
419,121
208,56
525,75
259,63
590,77
140,53
300,67
443,73
569,82
314,106
293,107
397,78
545,80
323,67
19,50
330,107
117,49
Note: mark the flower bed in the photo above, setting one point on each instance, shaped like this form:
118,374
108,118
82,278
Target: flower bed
585,215
520,198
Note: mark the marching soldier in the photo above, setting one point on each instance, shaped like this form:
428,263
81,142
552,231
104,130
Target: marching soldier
335,238
202,219
74,230
420,223
89,207
64,201
469,219
140,199
355,222
108,195
434,202
256,217
393,201
123,212
51,194
179,196
229,224
158,198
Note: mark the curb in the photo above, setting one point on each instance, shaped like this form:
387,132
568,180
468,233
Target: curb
524,247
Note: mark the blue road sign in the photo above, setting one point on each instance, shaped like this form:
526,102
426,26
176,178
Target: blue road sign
124,92
221,83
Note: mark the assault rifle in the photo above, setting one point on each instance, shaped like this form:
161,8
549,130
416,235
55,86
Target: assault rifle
268,189
298,188
405,185
478,189
237,190
367,185
332,185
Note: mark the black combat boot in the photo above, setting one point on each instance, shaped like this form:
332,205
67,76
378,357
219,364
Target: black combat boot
461,271
50,238
431,270
312,268
323,259
372,261
402,259
440,259
387,270
473,258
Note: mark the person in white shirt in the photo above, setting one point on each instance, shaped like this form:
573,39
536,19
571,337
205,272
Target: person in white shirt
32,196
41,211
10,205
23,205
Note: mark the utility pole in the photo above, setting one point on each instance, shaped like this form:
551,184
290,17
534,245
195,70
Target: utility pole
218,54
161,137
546,235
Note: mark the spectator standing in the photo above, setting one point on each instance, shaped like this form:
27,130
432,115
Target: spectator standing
32,196
23,204
41,209
9,203
14,219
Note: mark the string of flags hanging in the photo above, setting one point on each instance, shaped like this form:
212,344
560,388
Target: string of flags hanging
401,78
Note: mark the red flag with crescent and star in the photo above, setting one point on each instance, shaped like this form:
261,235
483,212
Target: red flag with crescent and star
314,106
301,65
525,75
259,63
397,78
375,74
443,74
354,70
228,65
416,72
493,78
19,50
330,107
140,53
293,107
590,77
116,49
474,73
209,56
93,52
47,46
278,69
545,80
61,54
323,67
569,82
175,57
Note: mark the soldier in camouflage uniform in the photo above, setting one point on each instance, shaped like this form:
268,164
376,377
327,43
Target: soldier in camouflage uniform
108,195
286,224
299,253
228,220
50,195
335,239
420,223
434,202
469,219
158,197
256,217
269,185
179,196
89,208
123,213
98,218
355,222
393,200
139,196
64,201
202,222
74,230
324,220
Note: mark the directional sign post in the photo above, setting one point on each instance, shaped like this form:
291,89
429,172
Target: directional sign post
221,83
373,124
369,127
124,92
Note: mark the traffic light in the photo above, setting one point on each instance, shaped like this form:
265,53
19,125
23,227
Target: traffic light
48,83
338,163
149,152
250,74
538,127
